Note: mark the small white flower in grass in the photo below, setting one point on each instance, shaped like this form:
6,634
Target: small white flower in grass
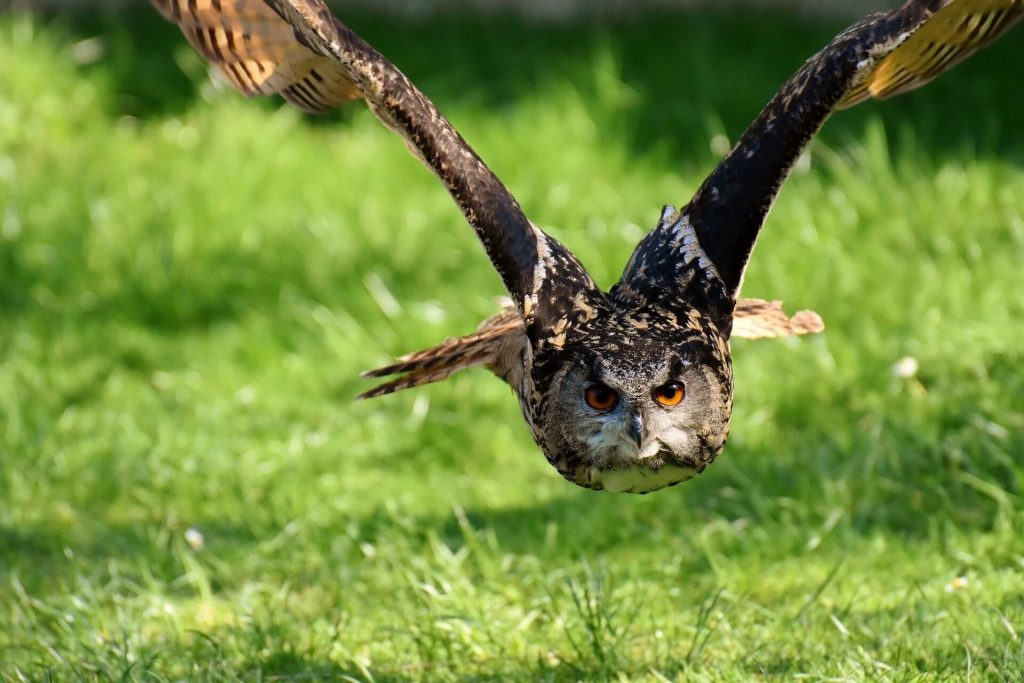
905,368
957,584
195,539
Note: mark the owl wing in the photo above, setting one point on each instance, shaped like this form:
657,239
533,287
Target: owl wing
880,56
299,49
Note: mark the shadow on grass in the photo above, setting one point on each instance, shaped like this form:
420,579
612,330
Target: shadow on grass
898,466
285,666
890,470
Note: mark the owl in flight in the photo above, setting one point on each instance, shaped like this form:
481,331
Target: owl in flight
631,389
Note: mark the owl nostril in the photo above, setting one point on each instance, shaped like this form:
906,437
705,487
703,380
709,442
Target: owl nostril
636,430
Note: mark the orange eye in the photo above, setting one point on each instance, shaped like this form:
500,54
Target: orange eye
671,394
601,397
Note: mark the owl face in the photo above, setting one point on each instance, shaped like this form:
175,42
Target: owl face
632,413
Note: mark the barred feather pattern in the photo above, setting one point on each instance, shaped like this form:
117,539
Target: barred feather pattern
482,348
257,52
956,31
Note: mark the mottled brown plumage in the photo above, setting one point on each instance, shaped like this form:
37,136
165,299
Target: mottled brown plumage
629,389
498,340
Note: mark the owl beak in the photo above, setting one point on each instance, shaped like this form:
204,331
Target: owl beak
636,431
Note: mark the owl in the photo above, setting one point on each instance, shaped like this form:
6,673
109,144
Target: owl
630,389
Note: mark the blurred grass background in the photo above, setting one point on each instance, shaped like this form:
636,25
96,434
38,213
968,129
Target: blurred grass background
190,284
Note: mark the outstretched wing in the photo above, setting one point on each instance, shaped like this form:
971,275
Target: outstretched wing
882,55
299,49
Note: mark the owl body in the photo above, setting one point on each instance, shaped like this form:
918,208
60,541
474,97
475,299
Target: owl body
633,341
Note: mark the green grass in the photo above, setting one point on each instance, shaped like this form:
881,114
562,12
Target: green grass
190,284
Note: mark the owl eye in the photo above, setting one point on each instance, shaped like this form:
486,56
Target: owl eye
671,394
601,397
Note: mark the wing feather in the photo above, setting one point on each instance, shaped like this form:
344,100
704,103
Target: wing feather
257,52
953,34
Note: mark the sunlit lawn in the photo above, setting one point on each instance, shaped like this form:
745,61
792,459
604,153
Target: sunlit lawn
190,284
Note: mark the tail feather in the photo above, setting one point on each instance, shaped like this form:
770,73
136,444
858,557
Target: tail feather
415,378
760,319
450,356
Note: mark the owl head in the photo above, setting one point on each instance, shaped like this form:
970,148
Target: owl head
642,401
